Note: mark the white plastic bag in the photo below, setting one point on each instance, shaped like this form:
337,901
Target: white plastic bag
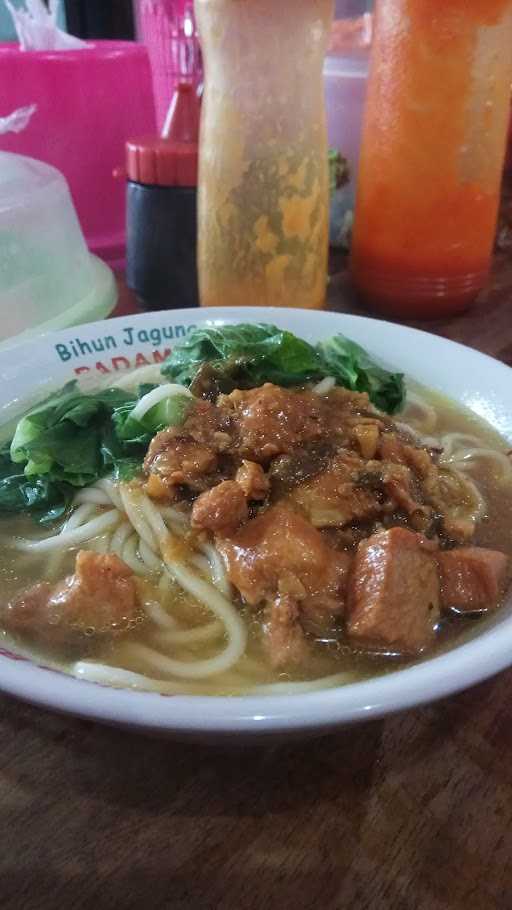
18,120
37,29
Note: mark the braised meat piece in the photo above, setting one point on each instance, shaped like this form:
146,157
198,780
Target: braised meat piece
188,455
334,498
280,552
289,471
271,421
247,427
392,448
284,639
472,578
280,560
456,504
253,480
365,435
404,494
208,425
177,460
99,599
393,600
222,509
411,468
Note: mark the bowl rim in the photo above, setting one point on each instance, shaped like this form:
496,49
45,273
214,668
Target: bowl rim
318,711
434,678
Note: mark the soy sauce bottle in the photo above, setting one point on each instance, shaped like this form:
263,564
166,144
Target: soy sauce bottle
161,209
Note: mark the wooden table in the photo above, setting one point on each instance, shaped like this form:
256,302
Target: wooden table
409,813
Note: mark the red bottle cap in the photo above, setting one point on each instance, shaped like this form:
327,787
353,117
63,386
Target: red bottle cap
172,158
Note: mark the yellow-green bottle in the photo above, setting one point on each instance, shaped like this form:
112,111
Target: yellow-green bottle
263,181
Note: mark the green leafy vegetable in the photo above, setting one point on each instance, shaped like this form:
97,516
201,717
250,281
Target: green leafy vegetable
169,412
352,368
216,359
243,356
45,499
72,439
123,461
62,437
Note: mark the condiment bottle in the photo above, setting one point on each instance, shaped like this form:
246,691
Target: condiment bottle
263,187
168,29
432,156
161,209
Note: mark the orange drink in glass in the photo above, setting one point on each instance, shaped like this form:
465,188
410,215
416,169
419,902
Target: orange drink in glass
432,157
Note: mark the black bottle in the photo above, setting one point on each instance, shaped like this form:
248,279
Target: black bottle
161,209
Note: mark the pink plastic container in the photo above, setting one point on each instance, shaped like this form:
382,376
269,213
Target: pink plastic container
168,29
89,102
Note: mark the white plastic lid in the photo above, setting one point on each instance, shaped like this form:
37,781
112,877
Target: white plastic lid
22,178
46,270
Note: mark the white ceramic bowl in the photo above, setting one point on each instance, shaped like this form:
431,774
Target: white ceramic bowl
482,384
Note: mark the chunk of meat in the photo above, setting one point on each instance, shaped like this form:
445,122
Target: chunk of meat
253,480
280,560
404,494
178,460
399,451
405,469
441,489
157,488
393,599
284,639
472,578
256,426
456,501
418,461
391,448
401,492
189,454
298,466
207,425
447,492
279,552
270,421
365,435
222,509
334,498
100,598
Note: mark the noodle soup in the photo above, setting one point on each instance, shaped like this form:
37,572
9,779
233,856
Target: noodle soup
235,557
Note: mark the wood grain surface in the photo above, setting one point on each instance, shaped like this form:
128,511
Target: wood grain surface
410,813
